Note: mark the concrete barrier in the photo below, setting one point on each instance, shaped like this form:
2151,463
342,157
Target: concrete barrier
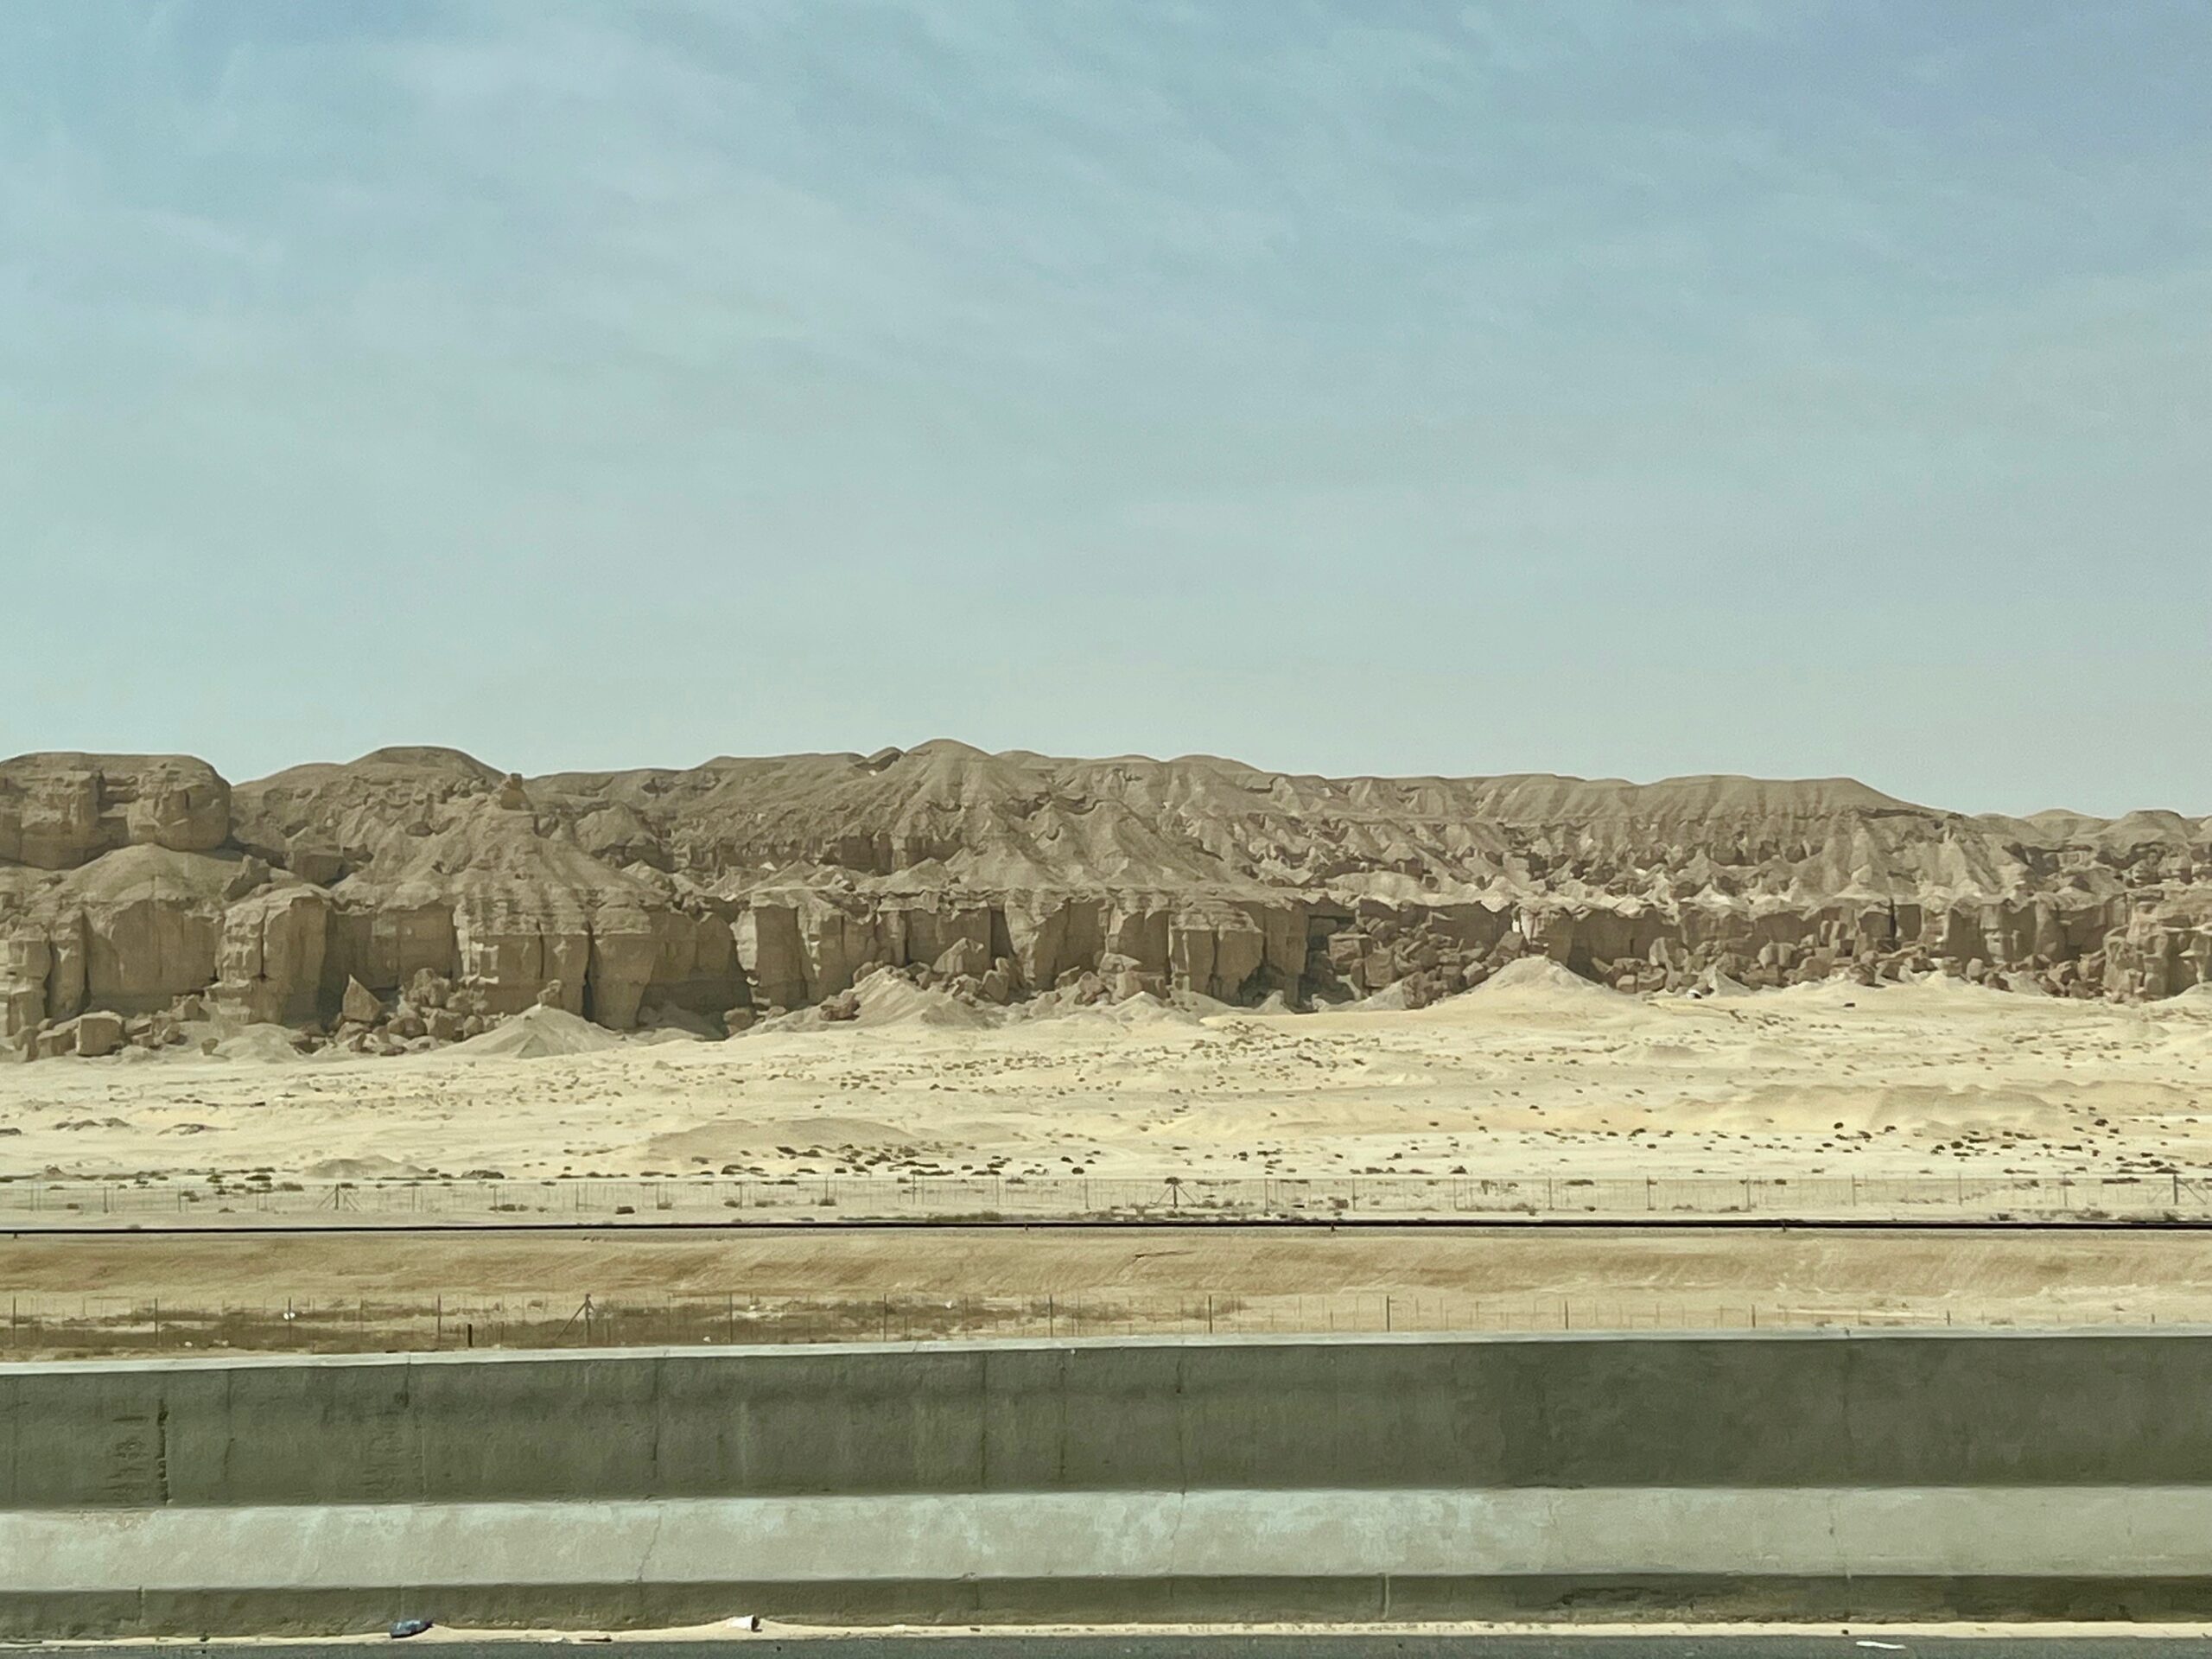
1985,1474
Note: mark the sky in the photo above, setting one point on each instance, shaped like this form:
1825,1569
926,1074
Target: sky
1611,387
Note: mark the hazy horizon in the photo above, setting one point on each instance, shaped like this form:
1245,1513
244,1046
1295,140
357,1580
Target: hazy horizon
1617,388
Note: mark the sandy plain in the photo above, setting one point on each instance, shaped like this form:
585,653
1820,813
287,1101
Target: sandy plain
1535,1073
1539,1074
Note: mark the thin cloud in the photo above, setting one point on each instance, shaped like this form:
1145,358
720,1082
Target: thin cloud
747,376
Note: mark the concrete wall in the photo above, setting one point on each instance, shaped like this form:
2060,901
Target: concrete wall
1995,1473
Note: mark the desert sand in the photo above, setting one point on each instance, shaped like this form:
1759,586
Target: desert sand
1534,1072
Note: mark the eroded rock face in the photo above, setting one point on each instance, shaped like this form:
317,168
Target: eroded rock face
58,812
744,886
271,955
26,959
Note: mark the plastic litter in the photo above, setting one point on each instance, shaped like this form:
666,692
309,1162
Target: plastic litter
409,1627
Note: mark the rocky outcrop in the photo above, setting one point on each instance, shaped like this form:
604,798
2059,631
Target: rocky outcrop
58,812
448,893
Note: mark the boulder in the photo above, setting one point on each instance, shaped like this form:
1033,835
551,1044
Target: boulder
361,1006
963,956
318,866
99,1033
429,989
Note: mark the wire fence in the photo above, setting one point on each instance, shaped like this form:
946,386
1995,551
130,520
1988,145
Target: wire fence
489,1199
43,1326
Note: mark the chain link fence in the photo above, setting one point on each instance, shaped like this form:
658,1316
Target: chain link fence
56,1325
28,1203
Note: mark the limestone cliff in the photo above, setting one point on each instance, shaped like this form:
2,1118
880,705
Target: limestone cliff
417,893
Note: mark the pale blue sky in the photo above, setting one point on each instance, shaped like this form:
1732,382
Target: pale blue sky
1627,388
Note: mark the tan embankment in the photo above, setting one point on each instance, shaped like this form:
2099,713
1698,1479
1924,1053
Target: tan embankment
306,1293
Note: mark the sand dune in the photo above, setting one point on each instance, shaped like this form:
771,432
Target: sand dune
538,1034
1533,1073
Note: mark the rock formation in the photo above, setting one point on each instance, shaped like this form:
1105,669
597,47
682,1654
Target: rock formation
417,894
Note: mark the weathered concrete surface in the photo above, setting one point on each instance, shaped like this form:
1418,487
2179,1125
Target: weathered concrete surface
2036,1532
1751,1642
1990,1473
1110,1554
1802,1408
